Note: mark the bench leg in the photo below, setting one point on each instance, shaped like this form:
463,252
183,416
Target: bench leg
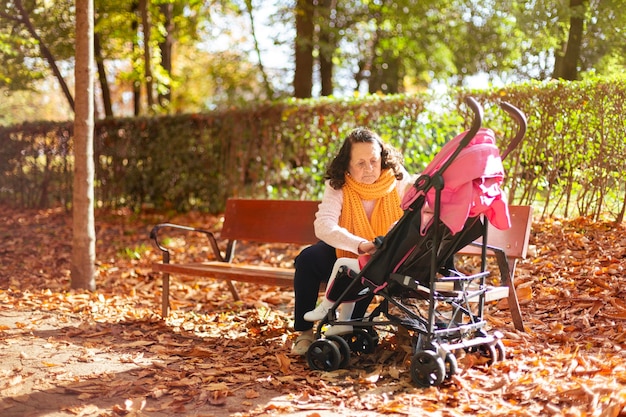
233,290
165,297
516,313
507,271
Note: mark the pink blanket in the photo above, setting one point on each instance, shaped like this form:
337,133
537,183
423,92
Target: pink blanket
471,184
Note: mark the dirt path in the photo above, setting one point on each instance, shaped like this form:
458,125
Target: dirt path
57,366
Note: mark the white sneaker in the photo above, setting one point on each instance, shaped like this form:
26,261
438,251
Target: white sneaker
319,312
338,330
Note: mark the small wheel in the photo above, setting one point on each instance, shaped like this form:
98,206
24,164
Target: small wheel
451,365
427,369
323,355
500,351
344,350
361,341
489,352
372,332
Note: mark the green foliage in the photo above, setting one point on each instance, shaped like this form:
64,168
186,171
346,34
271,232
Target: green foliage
391,46
20,54
570,163
572,159
134,254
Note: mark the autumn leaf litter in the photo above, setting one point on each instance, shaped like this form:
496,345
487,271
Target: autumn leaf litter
110,353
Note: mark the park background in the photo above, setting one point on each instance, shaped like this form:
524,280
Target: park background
190,109
199,101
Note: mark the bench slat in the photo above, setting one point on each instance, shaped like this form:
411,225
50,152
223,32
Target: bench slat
270,221
256,274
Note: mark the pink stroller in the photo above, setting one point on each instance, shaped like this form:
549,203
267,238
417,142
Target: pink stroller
413,269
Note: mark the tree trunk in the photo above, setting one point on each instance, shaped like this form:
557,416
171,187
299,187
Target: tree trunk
83,269
167,10
102,77
303,76
566,65
147,55
327,45
136,83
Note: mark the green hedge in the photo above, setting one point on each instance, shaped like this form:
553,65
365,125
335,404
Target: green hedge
573,159
570,162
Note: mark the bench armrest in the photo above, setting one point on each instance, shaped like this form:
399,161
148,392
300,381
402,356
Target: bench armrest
154,237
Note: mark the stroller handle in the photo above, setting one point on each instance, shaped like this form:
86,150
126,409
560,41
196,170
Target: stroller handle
477,121
520,119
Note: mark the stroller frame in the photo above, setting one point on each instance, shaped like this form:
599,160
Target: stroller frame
436,334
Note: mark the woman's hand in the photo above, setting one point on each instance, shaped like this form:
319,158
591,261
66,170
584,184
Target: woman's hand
367,247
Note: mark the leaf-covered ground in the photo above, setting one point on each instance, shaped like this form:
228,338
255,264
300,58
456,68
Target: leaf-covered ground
109,353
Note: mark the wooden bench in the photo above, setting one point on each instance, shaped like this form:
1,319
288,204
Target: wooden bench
291,221
263,221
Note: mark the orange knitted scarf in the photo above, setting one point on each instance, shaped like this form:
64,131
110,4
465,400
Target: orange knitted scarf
386,211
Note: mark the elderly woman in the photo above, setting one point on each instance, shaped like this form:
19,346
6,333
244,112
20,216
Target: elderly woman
365,183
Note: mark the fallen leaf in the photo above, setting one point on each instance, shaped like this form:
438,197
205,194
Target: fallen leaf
252,394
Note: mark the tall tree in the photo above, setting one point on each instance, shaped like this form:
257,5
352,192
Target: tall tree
304,47
165,46
146,31
83,269
382,42
136,51
327,43
102,77
567,61
575,36
604,43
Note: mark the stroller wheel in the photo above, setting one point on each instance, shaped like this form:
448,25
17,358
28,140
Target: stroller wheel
488,352
451,365
500,351
362,341
427,369
323,355
344,350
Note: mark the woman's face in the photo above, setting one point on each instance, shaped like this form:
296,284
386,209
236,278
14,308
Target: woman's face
365,162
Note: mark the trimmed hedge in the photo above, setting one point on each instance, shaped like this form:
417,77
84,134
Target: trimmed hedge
570,163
